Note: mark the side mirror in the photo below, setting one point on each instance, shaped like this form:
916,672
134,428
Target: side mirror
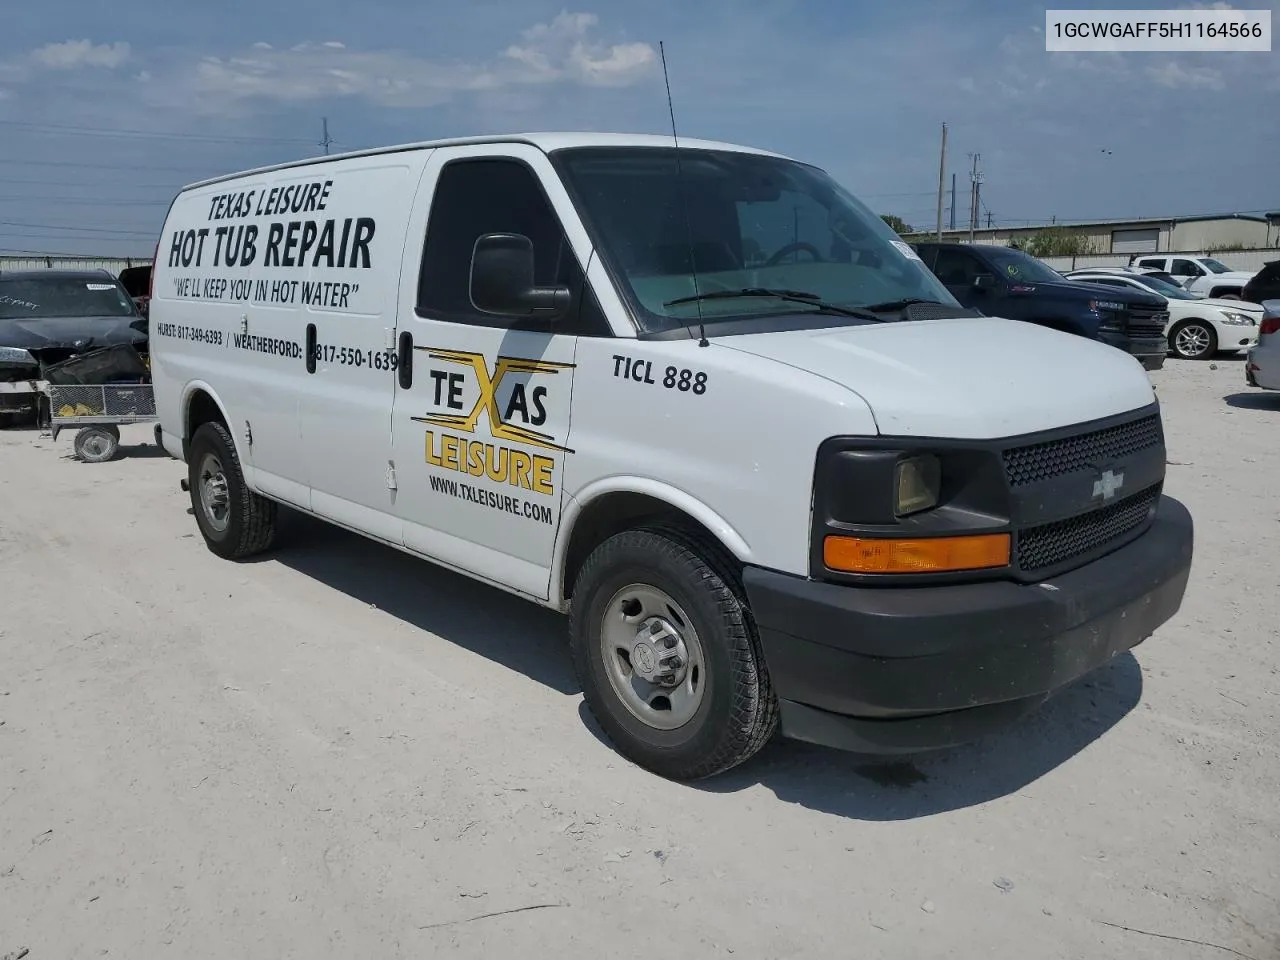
502,279
984,281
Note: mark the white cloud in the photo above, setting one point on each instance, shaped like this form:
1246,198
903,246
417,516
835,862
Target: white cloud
562,49
73,54
567,49
1172,74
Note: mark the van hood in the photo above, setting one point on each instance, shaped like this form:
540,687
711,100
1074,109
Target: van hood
966,378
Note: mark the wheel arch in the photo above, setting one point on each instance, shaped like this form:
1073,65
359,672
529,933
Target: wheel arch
611,506
200,405
1230,290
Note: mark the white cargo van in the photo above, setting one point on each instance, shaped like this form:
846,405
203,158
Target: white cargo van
694,395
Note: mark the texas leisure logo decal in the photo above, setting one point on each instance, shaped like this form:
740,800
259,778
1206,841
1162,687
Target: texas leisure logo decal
512,422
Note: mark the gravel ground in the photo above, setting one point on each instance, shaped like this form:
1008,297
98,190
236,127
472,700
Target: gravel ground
341,751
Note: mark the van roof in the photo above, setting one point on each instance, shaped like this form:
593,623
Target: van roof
546,142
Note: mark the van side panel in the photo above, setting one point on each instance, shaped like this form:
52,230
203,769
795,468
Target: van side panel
734,432
351,305
255,272
222,314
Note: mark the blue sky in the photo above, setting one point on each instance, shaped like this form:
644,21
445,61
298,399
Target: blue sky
106,109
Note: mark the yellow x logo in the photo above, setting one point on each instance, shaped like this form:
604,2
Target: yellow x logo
488,400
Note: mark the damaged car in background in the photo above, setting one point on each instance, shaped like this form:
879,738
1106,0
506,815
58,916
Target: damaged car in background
56,325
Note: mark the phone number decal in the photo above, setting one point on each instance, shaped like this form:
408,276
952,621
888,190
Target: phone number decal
194,334
356,357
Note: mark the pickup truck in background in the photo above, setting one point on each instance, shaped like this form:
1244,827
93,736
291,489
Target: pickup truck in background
1004,282
1203,276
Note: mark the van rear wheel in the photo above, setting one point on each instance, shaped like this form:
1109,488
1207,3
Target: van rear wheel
235,521
667,653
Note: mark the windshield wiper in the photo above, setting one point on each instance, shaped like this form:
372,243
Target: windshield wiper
793,296
902,304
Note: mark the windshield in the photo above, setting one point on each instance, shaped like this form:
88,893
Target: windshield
1214,265
1021,267
56,296
754,222
1172,291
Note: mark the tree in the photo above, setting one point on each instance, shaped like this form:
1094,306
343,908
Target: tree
897,224
1054,242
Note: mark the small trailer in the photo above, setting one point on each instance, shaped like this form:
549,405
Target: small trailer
97,411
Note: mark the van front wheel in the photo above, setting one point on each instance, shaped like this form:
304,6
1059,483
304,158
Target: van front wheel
668,657
235,521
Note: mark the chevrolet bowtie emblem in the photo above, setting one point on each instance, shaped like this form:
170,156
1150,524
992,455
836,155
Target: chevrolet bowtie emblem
1107,484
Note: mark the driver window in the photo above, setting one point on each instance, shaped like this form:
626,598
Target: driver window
1185,268
791,229
955,268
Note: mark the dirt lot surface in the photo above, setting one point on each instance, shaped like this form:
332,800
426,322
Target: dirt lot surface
340,751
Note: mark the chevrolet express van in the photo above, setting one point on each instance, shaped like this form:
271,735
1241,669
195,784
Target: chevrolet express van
694,395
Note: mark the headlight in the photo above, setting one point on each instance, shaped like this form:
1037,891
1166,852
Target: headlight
16,355
1238,319
916,484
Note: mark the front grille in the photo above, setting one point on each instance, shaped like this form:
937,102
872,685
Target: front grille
1055,543
1053,458
1147,321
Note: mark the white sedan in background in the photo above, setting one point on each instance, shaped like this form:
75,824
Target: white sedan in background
1198,326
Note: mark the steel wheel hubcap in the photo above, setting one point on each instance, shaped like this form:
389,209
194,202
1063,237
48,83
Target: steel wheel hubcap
1193,340
215,497
652,656
96,445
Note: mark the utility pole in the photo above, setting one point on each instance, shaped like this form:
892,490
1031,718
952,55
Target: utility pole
974,180
325,139
942,177
953,202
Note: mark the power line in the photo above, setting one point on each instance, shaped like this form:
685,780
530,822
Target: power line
90,185
73,228
146,134
101,166
88,201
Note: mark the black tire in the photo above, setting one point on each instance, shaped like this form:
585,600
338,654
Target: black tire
738,711
98,443
250,519
1207,338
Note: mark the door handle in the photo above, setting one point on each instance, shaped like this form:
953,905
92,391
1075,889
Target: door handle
311,348
404,360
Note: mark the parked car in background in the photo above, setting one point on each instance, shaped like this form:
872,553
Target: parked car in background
1198,327
49,316
1262,365
1202,275
1265,284
1003,282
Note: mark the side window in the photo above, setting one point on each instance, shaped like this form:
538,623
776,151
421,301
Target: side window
475,197
1154,263
955,268
1185,268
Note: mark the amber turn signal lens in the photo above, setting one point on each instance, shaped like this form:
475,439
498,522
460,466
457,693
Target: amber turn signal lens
923,555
